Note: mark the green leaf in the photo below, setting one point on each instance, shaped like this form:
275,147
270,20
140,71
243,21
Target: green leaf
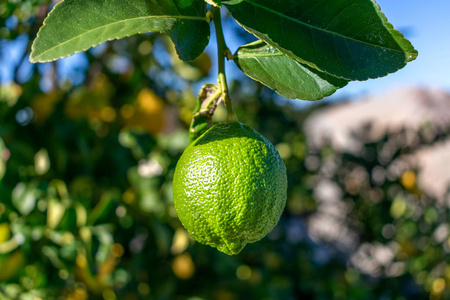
103,207
345,38
77,25
24,197
55,212
3,153
283,74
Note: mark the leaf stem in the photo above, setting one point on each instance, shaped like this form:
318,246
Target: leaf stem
222,52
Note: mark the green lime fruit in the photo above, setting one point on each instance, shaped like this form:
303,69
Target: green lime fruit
229,187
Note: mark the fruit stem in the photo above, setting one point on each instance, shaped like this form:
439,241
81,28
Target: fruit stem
222,52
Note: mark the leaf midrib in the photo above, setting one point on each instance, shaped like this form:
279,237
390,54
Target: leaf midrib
321,29
260,55
118,22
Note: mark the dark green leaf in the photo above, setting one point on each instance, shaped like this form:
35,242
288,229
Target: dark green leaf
283,74
2,159
103,208
345,38
77,25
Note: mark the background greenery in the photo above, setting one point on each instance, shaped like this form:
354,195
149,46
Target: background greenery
87,155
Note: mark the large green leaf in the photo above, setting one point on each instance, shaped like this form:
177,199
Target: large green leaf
345,38
77,25
283,74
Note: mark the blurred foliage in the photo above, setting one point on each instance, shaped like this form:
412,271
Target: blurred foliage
88,148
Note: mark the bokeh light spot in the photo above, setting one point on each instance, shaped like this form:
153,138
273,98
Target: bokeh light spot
244,272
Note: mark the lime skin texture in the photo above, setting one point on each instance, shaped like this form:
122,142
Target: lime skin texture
230,187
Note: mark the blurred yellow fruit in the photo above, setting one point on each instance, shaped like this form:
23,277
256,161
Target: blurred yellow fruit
408,180
78,294
92,102
147,114
107,114
43,106
183,266
10,265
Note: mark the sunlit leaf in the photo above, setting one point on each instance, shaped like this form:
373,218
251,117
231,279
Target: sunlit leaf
214,2
24,197
55,212
41,162
283,74
77,25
